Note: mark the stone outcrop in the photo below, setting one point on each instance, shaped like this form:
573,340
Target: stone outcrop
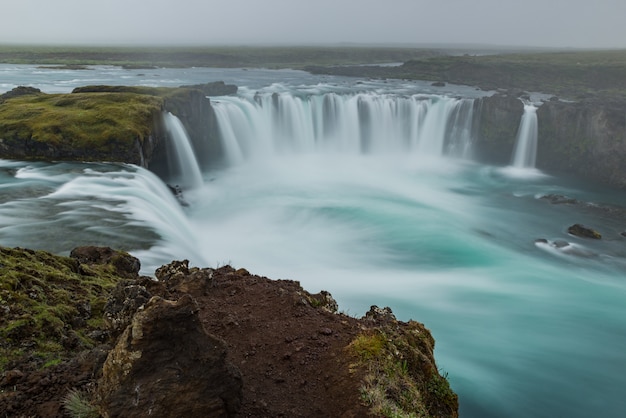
584,231
586,138
166,365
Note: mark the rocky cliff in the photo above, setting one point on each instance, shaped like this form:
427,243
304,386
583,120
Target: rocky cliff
105,123
586,138
86,336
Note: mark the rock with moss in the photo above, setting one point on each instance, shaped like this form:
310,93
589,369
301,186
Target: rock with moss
86,335
79,127
52,334
106,123
402,378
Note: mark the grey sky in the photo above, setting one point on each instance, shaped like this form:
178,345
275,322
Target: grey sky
557,23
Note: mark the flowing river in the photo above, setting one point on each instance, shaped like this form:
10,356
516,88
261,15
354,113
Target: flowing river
366,189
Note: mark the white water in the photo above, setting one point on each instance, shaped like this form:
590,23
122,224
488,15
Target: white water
525,152
256,126
366,203
183,165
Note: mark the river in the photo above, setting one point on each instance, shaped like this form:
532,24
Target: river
366,189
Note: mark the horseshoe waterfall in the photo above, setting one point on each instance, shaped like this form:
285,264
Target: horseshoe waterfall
373,191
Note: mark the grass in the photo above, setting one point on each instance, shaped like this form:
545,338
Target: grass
78,405
86,120
400,380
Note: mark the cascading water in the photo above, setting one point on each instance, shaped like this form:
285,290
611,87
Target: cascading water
322,186
365,123
525,152
182,163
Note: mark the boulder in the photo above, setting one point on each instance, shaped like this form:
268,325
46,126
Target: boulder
166,365
125,264
179,278
584,231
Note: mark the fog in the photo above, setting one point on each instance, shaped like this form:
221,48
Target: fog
547,23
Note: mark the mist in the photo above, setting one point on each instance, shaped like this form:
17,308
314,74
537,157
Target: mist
536,23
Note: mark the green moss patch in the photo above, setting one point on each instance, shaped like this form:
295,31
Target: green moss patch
85,123
51,306
401,380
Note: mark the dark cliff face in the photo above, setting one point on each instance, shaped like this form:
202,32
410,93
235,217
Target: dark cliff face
587,139
193,107
498,119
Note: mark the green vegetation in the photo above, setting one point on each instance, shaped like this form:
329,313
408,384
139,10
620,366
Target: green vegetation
51,306
77,404
400,381
91,121
217,56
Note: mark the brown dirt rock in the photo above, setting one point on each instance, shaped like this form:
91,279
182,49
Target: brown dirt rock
166,365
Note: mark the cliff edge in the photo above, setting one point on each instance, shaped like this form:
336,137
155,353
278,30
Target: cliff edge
86,335
104,123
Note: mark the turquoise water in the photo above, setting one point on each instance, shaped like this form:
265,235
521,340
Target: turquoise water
523,329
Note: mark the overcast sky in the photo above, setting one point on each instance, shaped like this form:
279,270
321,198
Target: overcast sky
554,23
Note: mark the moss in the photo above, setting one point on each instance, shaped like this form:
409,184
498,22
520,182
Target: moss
400,380
368,346
49,307
85,124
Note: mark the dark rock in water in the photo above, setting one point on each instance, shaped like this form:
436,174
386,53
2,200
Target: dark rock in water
584,231
166,365
178,194
438,84
561,244
558,199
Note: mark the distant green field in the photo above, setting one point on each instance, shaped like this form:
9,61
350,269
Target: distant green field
236,56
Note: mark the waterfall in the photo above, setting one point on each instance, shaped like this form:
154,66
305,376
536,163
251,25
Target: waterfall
265,124
525,151
181,159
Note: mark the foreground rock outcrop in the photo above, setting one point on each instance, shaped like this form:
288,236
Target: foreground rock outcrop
215,342
165,365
